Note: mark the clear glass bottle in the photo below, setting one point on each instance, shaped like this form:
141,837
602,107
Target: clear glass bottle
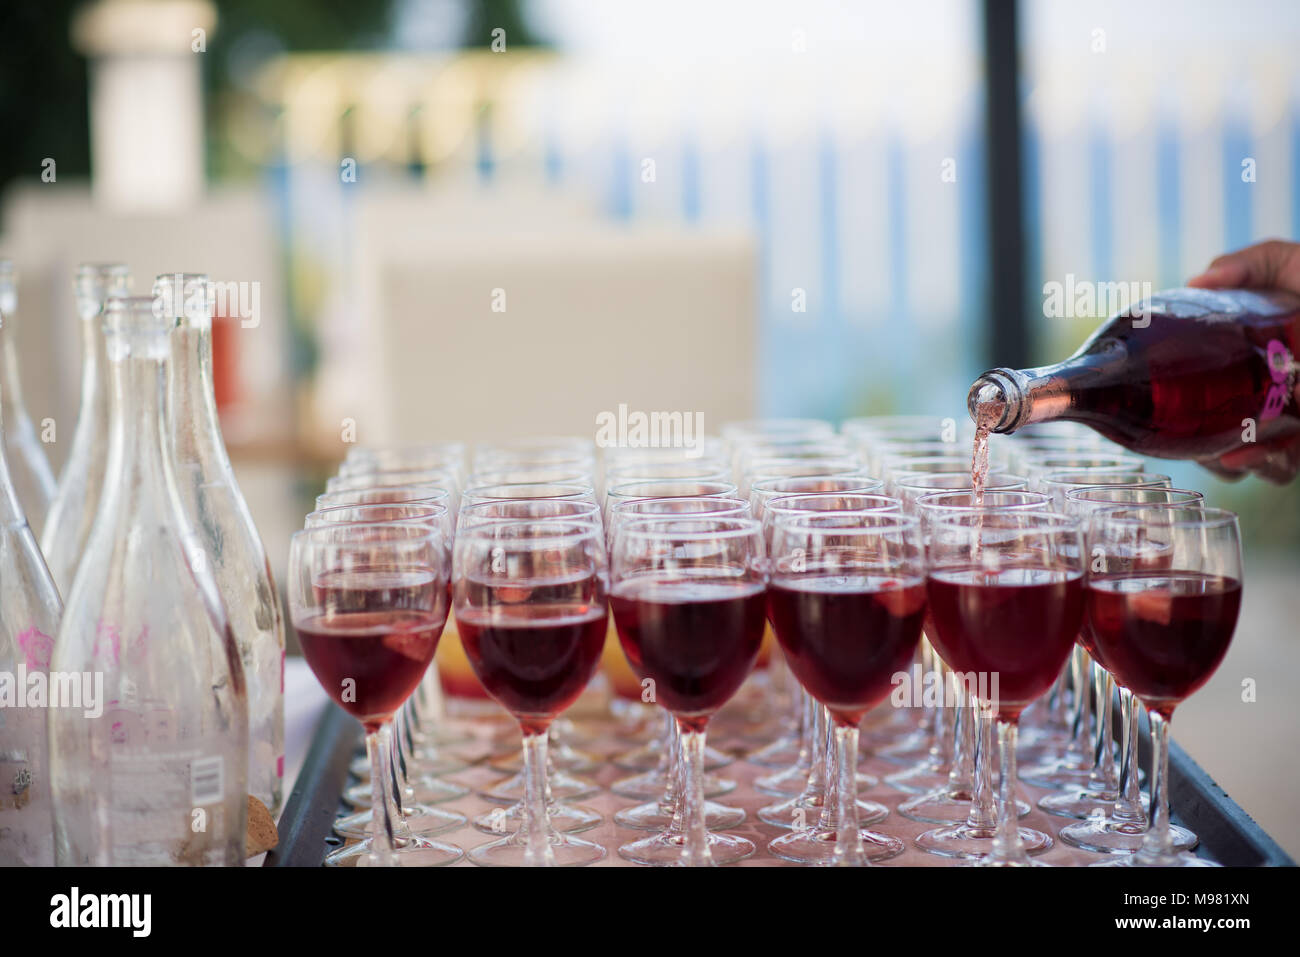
160,777
29,469
29,620
72,513
221,516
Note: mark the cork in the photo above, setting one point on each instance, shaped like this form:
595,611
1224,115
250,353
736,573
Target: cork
261,835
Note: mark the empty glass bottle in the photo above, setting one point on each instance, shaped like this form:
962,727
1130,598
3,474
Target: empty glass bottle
72,513
29,620
29,469
160,778
221,517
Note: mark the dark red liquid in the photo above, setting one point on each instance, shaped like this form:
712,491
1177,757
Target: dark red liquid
370,661
1016,627
696,639
846,638
534,659
1162,636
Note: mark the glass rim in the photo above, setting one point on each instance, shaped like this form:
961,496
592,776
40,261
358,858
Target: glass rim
412,533
764,483
1054,477
662,528
620,491
435,509
775,507
422,487
1131,516
915,480
939,509
1045,517
1080,494
629,506
574,490
555,532
880,519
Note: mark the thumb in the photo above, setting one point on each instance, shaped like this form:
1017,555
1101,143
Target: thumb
1272,264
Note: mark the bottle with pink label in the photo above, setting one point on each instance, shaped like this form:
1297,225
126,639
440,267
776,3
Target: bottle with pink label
158,774
233,549
1186,374
29,620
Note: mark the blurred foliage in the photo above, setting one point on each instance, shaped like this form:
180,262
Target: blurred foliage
488,15
43,93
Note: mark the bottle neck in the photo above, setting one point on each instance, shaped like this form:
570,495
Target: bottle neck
15,413
195,427
137,456
1010,399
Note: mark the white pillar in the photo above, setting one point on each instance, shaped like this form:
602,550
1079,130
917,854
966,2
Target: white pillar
146,100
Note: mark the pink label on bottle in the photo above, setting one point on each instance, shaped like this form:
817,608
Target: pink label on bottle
279,766
37,646
1280,362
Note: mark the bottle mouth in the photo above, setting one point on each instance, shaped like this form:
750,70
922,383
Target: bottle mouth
992,403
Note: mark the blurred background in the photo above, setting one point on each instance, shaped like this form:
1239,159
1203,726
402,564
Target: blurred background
484,218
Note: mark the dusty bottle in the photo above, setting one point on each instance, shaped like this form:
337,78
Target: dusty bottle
1187,374
159,777
29,469
29,620
221,517
72,513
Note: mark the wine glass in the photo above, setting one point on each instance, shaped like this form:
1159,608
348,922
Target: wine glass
1005,591
1119,825
530,605
847,599
967,799
1163,602
419,493
369,603
688,599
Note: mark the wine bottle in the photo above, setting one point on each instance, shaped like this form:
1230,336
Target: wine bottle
159,776
1187,374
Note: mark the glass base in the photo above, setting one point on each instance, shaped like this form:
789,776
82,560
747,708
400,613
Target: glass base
1106,835
426,760
785,783
817,846
665,849
1060,771
413,852
420,790
651,785
907,750
566,818
648,756
564,787
1142,859
1078,803
786,813
781,753
421,820
565,851
945,806
921,778
562,758
652,816
962,840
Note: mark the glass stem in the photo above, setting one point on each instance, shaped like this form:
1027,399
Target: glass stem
671,802
534,827
1128,808
1103,776
983,810
961,773
849,849
1007,848
695,850
379,748
1158,843
1080,720
942,748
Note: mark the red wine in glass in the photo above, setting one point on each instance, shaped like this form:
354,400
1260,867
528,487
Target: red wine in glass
1163,635
845,637
1015,626
696,639
534,657
371,661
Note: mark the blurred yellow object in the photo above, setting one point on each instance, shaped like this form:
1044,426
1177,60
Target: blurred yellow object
454,671
614,663
767,648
